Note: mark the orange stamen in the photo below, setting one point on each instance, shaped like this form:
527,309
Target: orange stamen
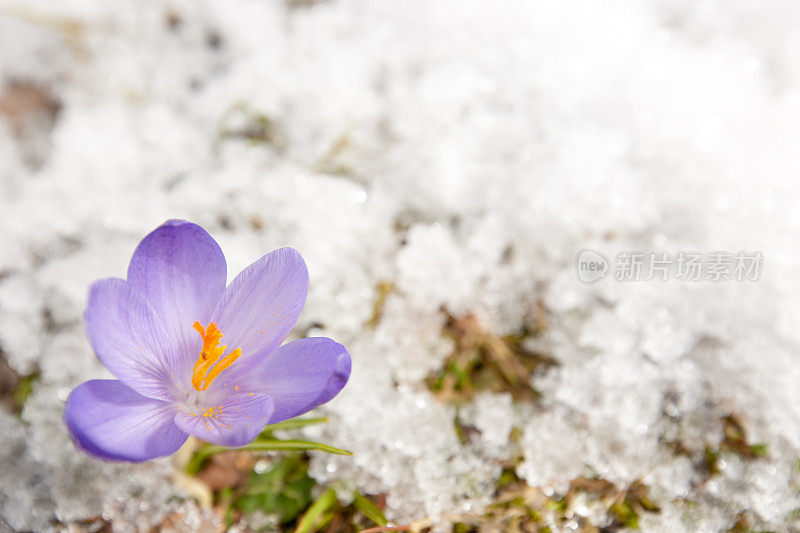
210,362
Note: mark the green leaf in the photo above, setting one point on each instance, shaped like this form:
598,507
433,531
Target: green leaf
24,389
294,423
760,449
462,376
292,445
557,505
369,509
283,491
207,450
225,496
307,523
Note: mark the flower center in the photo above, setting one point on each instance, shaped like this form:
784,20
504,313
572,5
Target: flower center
210,363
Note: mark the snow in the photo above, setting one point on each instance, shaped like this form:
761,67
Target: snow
462,152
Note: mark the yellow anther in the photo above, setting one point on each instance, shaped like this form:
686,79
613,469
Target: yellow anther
210,362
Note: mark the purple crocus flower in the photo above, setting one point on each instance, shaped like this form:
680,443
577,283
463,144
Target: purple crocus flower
160,333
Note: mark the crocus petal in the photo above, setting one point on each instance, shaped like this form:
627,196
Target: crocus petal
181,271
235,421
260,307
111,421
128,338
298,376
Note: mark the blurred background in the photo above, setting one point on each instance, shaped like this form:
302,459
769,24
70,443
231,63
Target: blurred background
440,166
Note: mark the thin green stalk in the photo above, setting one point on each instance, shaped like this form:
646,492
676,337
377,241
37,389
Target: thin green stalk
295,423
369,509
206,451
326,500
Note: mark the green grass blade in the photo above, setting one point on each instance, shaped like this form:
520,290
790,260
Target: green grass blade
369,509
207,450
307,523
295,423
292,445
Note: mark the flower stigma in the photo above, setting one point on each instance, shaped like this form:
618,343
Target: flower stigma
210,363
